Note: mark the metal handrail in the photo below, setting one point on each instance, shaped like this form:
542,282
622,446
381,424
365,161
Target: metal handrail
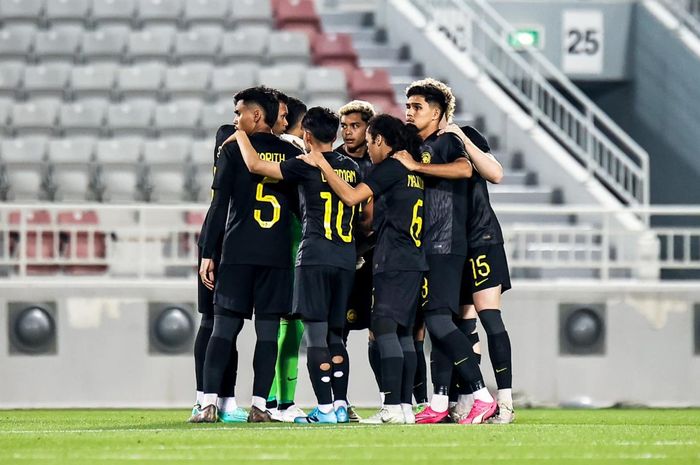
592,138
686,11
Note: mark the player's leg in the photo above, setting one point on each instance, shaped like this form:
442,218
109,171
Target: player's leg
291,332
461,398
264,358
318,362
341,287
409,372
229,411
420,383
206,326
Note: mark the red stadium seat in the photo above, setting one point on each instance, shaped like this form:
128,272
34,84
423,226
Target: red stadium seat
81,244
373,86
335,50
297,15
40,244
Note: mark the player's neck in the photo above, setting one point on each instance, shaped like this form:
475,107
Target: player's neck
428,131
261,128
359,152
322,147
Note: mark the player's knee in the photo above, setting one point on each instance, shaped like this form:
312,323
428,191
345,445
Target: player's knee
325,367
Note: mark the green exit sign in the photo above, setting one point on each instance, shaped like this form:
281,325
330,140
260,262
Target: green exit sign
526,37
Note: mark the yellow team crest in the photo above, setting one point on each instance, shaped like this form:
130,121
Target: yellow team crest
351,316
425,157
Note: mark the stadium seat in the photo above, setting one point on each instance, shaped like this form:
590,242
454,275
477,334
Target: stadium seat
324,82
57,43
167,151
11,78
21,10
206,11
131,117
298,15
35,116
5,107
81,240
255,50
46,80
248,12
78,150
228,80
119,168
67,11
152,43
106,12
287,78
374,86
178,116
166,184
200,43
202,172
94,80
123,150
83,117
159,11
23,161
191,80
16,41
70,173
140,80
288,47
104,44
29,150
335,50
216,114
41,242
327,102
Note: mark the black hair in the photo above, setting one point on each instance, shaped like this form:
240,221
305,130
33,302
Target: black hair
322,123
398,136
295,111
281,96
264,97
430,94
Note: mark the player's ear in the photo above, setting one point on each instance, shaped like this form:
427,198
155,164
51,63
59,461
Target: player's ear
379,140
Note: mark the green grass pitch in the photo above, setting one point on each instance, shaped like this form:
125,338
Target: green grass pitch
54,437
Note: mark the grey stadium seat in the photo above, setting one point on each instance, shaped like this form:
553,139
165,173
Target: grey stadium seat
230,79
5,108
83,117
168,11
93,80
113,11
206,11
188,80
119,168
288,47
287,78
216,114
200,43
16,41
10,78
126,150
35,116
255,50
29,150
76,150
326,82
131,117
333,104
178,116
71,169
202,175
152,43
24,162
141,80
167,151
58,43
62,11
21,10
50,79
246,12
105,44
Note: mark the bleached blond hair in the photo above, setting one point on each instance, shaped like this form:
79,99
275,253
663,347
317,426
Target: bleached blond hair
417,87
362,107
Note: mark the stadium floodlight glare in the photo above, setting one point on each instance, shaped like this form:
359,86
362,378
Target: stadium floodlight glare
526,37
171,330
581,329
32,330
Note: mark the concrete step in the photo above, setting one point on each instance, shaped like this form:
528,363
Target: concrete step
360,36
537,218
358,19
501,193
393,67
374,51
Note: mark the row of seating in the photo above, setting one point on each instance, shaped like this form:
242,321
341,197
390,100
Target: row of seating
122,44
136,12
109,80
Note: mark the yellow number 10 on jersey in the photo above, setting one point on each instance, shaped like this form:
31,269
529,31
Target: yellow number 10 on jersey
328,215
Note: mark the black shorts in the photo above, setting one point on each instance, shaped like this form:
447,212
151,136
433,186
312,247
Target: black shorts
486,267
205,296
242,288
359,310
321,293
444,282
396,296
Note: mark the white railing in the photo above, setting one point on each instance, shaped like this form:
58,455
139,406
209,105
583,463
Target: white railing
145,241
686,11
591,137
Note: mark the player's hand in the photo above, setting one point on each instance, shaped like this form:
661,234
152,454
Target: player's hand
313,158
452,128
206,273
406,160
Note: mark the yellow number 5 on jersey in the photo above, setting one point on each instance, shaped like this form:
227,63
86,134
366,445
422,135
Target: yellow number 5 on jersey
260,196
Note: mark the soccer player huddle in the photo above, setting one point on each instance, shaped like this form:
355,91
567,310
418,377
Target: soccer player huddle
392,231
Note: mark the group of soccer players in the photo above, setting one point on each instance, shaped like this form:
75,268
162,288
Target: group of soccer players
393,230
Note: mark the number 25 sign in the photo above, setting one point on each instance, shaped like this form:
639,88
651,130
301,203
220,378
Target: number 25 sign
582,42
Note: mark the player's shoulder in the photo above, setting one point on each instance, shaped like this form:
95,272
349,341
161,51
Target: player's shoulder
476,137
449,140
338,160
224,132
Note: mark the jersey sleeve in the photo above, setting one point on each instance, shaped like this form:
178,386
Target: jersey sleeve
295,170
385,175
476,138
221,193
453,148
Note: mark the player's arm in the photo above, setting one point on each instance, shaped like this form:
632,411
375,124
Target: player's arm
367,216
350,196
486,164
458,169
252,160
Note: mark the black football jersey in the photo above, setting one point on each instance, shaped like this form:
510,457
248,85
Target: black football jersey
328,225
